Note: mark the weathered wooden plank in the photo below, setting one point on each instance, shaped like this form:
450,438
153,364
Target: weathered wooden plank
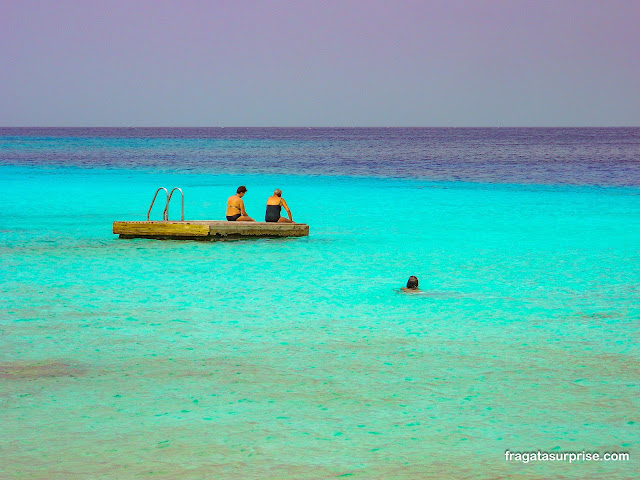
258,229
208,229
178,229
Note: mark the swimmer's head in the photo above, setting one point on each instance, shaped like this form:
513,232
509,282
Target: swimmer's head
278,192
241,189
412,283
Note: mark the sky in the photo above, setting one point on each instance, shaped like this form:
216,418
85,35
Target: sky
319,63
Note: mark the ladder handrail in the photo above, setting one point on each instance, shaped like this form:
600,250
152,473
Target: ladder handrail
166,208
153,201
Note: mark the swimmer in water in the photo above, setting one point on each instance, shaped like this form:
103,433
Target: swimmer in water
412,285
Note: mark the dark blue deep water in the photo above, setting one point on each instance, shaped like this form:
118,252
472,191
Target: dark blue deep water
577,156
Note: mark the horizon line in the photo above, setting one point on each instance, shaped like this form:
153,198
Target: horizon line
317,126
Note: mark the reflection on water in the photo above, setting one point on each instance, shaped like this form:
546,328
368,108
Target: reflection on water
430,293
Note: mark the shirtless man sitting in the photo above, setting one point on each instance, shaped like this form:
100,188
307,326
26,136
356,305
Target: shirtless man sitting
235,207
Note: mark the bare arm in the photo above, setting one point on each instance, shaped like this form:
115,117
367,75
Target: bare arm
244,212
286,207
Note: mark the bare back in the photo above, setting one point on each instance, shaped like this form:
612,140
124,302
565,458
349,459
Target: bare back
235,205
274,200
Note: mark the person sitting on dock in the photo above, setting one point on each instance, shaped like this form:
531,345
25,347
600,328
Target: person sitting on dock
235,207
412,285
274,206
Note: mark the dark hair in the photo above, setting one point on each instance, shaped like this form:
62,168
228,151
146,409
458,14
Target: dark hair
412,283
241,189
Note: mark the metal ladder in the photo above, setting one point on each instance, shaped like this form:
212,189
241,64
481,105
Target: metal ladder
165,213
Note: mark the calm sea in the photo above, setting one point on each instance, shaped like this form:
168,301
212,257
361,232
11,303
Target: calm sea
299,358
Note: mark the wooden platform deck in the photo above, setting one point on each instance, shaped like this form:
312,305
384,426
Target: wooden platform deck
208,230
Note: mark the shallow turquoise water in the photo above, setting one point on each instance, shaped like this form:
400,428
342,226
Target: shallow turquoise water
298,358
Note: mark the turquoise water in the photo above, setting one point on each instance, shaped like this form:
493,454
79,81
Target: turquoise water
298,358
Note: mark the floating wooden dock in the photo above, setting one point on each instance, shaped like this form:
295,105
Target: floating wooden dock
208,230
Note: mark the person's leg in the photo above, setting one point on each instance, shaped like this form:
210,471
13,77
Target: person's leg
284,220
245,219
